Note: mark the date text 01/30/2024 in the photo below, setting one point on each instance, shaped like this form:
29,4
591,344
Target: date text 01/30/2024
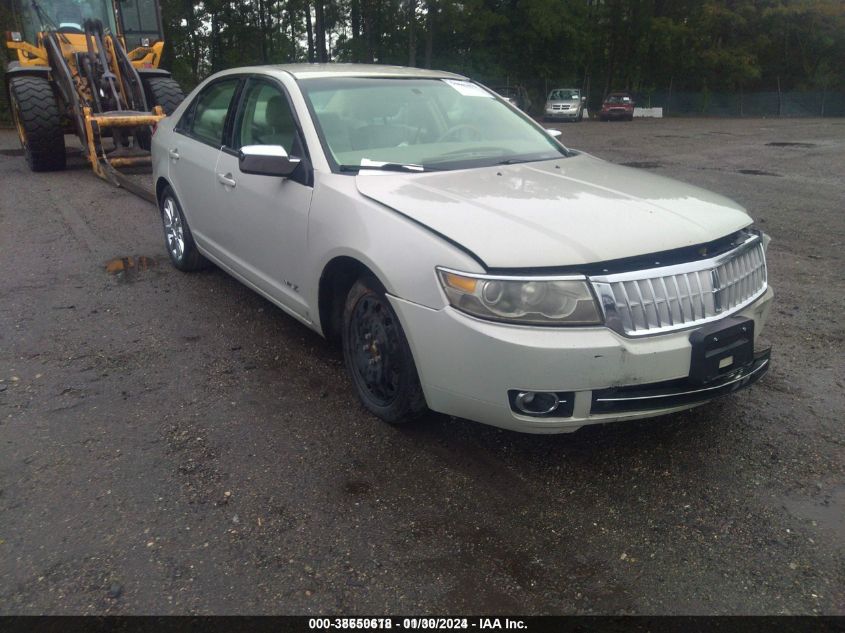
416,623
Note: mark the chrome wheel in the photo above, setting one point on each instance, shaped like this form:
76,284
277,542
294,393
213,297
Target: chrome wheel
173,229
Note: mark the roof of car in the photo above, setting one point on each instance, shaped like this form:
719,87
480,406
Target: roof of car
307,71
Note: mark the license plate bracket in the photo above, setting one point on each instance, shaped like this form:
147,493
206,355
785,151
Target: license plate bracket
721,348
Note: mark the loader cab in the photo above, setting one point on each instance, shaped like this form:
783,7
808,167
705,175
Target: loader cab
64,16
140,22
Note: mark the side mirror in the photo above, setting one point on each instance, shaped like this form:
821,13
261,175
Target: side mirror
266,160
553,133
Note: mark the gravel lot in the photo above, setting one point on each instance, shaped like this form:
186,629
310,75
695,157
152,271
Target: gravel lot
173,443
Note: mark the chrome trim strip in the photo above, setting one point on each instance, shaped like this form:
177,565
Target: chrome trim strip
512,277
694,391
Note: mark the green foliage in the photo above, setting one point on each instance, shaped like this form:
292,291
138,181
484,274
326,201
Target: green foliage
599,45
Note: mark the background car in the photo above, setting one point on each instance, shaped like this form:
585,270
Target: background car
619,106
565,104
516,95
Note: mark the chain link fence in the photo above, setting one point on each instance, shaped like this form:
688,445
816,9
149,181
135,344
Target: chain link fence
705,103
756,104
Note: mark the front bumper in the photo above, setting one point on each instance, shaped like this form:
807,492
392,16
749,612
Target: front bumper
467,367
561,114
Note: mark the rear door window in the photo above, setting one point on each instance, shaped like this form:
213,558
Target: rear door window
209,112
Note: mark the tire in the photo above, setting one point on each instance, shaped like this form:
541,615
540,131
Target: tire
178,240
38,122
163,91
377,355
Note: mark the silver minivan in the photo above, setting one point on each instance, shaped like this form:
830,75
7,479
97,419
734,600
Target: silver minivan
565,104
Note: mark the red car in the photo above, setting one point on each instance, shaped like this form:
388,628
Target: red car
617,105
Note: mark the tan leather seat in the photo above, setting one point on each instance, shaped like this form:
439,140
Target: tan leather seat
281,127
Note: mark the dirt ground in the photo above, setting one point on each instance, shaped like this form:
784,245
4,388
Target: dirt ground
174,444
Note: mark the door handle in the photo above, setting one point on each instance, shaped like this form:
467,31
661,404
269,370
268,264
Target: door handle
227,180
174,154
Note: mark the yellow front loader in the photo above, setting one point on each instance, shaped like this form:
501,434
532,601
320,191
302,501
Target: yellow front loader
90,68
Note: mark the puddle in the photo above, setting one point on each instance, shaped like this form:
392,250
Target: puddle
127,268
824,511
785,144
643,164
757,172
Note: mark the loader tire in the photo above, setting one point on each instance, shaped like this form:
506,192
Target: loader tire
38,122
164,91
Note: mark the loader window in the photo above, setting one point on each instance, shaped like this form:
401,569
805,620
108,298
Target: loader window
210,110
139,19
68,16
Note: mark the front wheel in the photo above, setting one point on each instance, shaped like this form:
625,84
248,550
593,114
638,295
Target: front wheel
35,113
377,355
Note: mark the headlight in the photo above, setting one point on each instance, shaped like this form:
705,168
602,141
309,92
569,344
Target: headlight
532,301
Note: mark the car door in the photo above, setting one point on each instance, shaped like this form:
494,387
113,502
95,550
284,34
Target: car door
263,220
193,153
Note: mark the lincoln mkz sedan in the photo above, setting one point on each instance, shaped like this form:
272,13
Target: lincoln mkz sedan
463,258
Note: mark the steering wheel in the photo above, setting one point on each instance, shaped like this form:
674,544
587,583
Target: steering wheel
458,128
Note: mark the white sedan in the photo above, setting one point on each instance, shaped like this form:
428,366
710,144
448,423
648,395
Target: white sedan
464,259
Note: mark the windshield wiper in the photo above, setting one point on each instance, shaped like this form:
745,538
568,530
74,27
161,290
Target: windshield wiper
516,161
384,167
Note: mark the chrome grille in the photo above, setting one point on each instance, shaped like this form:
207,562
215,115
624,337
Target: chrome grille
668,298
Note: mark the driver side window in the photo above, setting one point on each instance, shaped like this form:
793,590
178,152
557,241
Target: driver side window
266,119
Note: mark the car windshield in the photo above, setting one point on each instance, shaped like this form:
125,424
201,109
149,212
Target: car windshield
618,99
436,123
564,95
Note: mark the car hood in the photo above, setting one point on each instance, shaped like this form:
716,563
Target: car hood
564,102
563,212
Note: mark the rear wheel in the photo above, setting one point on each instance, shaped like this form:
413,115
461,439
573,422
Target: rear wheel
163,91
38,123
377,355
177,234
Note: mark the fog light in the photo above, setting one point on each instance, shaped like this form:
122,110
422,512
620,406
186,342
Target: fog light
536,403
